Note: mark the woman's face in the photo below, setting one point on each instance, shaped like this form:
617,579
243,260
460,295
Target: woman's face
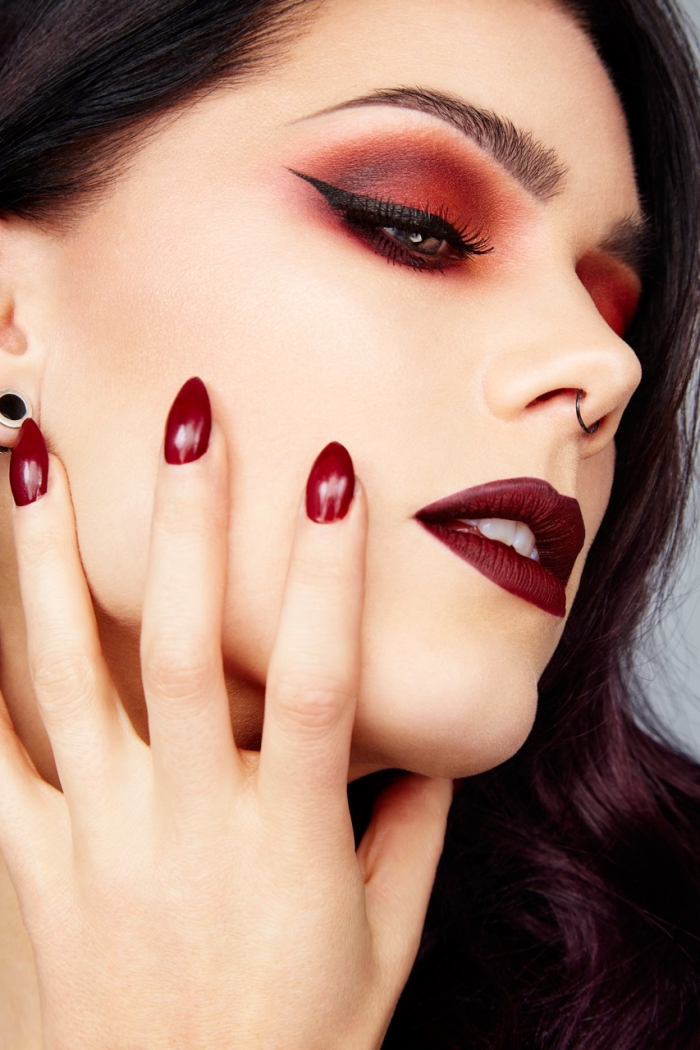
439,364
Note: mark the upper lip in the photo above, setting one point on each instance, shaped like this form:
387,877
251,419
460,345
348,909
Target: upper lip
555,520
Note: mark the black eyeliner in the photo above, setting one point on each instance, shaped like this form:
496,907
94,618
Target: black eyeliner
363,212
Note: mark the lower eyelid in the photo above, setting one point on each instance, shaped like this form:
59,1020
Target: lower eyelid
395,252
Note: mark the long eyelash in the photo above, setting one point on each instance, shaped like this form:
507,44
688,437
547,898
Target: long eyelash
367,215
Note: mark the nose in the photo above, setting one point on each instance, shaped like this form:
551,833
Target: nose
554,344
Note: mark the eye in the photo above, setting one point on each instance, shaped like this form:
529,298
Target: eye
408,236
419,241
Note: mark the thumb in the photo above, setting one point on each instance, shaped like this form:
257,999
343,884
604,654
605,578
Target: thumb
398,857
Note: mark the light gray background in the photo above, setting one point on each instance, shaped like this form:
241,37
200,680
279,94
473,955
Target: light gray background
669,665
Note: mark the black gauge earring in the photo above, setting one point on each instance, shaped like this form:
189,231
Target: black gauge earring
589,430
14,409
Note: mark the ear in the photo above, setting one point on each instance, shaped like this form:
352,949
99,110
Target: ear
20,367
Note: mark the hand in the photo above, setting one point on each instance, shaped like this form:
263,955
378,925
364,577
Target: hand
188,894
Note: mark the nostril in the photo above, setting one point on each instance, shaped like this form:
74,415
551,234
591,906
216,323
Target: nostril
570,394
588,429
550,394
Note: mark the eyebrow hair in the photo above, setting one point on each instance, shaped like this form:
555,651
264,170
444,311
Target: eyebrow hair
537,168
631,241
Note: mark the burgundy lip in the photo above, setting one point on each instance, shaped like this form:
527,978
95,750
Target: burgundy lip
555,520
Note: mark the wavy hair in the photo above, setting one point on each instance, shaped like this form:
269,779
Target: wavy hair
566,911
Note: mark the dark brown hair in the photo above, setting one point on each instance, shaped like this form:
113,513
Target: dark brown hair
566,912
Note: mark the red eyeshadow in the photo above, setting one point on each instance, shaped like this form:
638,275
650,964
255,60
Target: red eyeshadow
613,288
420,171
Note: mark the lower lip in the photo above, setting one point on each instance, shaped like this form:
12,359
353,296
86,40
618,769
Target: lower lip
502,564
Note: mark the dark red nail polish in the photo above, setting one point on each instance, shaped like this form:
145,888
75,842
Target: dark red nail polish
29,465
331,484
189,424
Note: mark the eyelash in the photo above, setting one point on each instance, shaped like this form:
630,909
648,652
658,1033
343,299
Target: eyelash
370,219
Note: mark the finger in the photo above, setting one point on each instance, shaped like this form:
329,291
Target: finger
314,669
188,713
34,823
72,684
398,857
21,788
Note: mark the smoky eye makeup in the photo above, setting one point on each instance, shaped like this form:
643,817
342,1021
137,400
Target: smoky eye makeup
424,239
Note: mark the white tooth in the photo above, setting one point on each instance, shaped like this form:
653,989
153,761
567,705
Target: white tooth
515,534
524,541
498,529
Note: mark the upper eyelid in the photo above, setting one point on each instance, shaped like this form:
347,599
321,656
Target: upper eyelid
342,201
346,197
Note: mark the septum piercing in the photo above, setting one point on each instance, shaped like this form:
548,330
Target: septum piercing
14,409
588,430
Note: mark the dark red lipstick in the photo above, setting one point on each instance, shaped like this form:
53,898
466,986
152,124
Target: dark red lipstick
555,520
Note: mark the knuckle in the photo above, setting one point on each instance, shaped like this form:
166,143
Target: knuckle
41,551
64,682
309,701
177,672
181,518
321,573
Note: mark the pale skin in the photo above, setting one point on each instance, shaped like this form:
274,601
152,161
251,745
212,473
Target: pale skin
166,620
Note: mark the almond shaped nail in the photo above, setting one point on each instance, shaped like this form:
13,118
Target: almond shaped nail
29,465
188,428
331,484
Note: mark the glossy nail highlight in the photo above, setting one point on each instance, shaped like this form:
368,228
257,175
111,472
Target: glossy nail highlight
188,428
331,485
29,466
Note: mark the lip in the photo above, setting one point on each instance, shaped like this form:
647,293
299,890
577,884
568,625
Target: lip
555,520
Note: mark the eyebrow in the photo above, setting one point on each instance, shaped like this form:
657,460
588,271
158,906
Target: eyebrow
632,242
537,168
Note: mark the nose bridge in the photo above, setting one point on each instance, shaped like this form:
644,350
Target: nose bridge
554,343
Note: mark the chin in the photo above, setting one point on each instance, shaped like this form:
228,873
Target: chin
445,713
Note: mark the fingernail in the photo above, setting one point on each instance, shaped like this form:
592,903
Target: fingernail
188,427
331,484
29,465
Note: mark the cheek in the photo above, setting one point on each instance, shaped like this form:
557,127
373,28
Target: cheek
594,487
612,287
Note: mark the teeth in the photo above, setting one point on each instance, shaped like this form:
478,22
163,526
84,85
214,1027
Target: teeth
498,529
513,533
524,541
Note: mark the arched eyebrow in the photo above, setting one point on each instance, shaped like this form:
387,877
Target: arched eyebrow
537,168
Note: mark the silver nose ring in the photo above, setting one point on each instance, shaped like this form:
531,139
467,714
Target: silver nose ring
588,430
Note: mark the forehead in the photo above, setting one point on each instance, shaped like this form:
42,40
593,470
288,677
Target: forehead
526,60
